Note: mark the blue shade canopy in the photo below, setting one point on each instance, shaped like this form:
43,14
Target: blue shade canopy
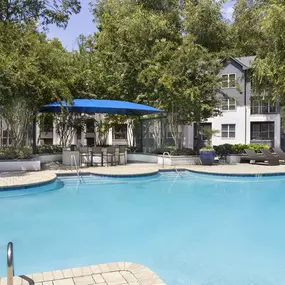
101,106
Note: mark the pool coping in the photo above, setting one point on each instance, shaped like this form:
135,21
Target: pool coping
53,175
124,273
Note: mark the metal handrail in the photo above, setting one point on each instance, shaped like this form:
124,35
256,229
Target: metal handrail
163,155
10,263
76,166
168,154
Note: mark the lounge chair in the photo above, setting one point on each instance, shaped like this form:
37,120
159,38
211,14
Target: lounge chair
266,155
280,153
252,155
270,157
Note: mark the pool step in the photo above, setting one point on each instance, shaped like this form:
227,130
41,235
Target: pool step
99,180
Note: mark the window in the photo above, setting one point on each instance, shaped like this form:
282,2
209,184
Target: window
262,131
262,107
228,131
228,104
90,126
6,140
48,141
228,80
120,132
90,142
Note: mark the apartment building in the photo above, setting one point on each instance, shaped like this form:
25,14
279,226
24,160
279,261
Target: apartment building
246,118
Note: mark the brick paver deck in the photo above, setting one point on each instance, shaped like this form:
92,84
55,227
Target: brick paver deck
120,273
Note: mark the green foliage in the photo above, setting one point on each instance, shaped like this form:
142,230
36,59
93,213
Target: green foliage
247,36
203,19
168,149
34,71
239,148
224,149
183,151
208,134
206,149
15,153
43,11
49,149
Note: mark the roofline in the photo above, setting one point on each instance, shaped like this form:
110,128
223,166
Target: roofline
244,67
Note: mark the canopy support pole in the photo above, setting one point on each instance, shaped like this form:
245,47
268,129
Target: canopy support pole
35,135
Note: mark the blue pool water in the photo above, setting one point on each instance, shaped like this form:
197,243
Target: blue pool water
194,230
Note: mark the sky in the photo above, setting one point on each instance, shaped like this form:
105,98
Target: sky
82,24
78,24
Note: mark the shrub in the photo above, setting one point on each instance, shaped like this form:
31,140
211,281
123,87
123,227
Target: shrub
257,147
163,149
43,149
239,148
224,149
13,153
206,149
183,151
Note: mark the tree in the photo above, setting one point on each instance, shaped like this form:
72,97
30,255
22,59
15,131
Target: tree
247,35
34,71
128,35
44,11
203,19
142,54
186,86
269,69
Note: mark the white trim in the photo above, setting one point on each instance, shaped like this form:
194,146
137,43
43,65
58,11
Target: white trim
228,131
228,110
228,74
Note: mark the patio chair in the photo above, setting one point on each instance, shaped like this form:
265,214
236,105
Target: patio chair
280,153
252,155
271,158
110,154
84,153
266,155
96,152
121,153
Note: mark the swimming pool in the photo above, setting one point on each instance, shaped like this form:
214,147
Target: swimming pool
194,229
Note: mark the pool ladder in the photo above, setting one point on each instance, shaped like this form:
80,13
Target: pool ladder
174,167
73,160
10,263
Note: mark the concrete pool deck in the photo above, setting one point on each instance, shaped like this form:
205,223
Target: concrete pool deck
18,179
120,273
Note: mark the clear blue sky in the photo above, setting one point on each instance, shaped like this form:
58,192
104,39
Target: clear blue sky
78,24
82,24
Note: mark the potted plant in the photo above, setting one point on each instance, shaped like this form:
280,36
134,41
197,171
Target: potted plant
207,155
